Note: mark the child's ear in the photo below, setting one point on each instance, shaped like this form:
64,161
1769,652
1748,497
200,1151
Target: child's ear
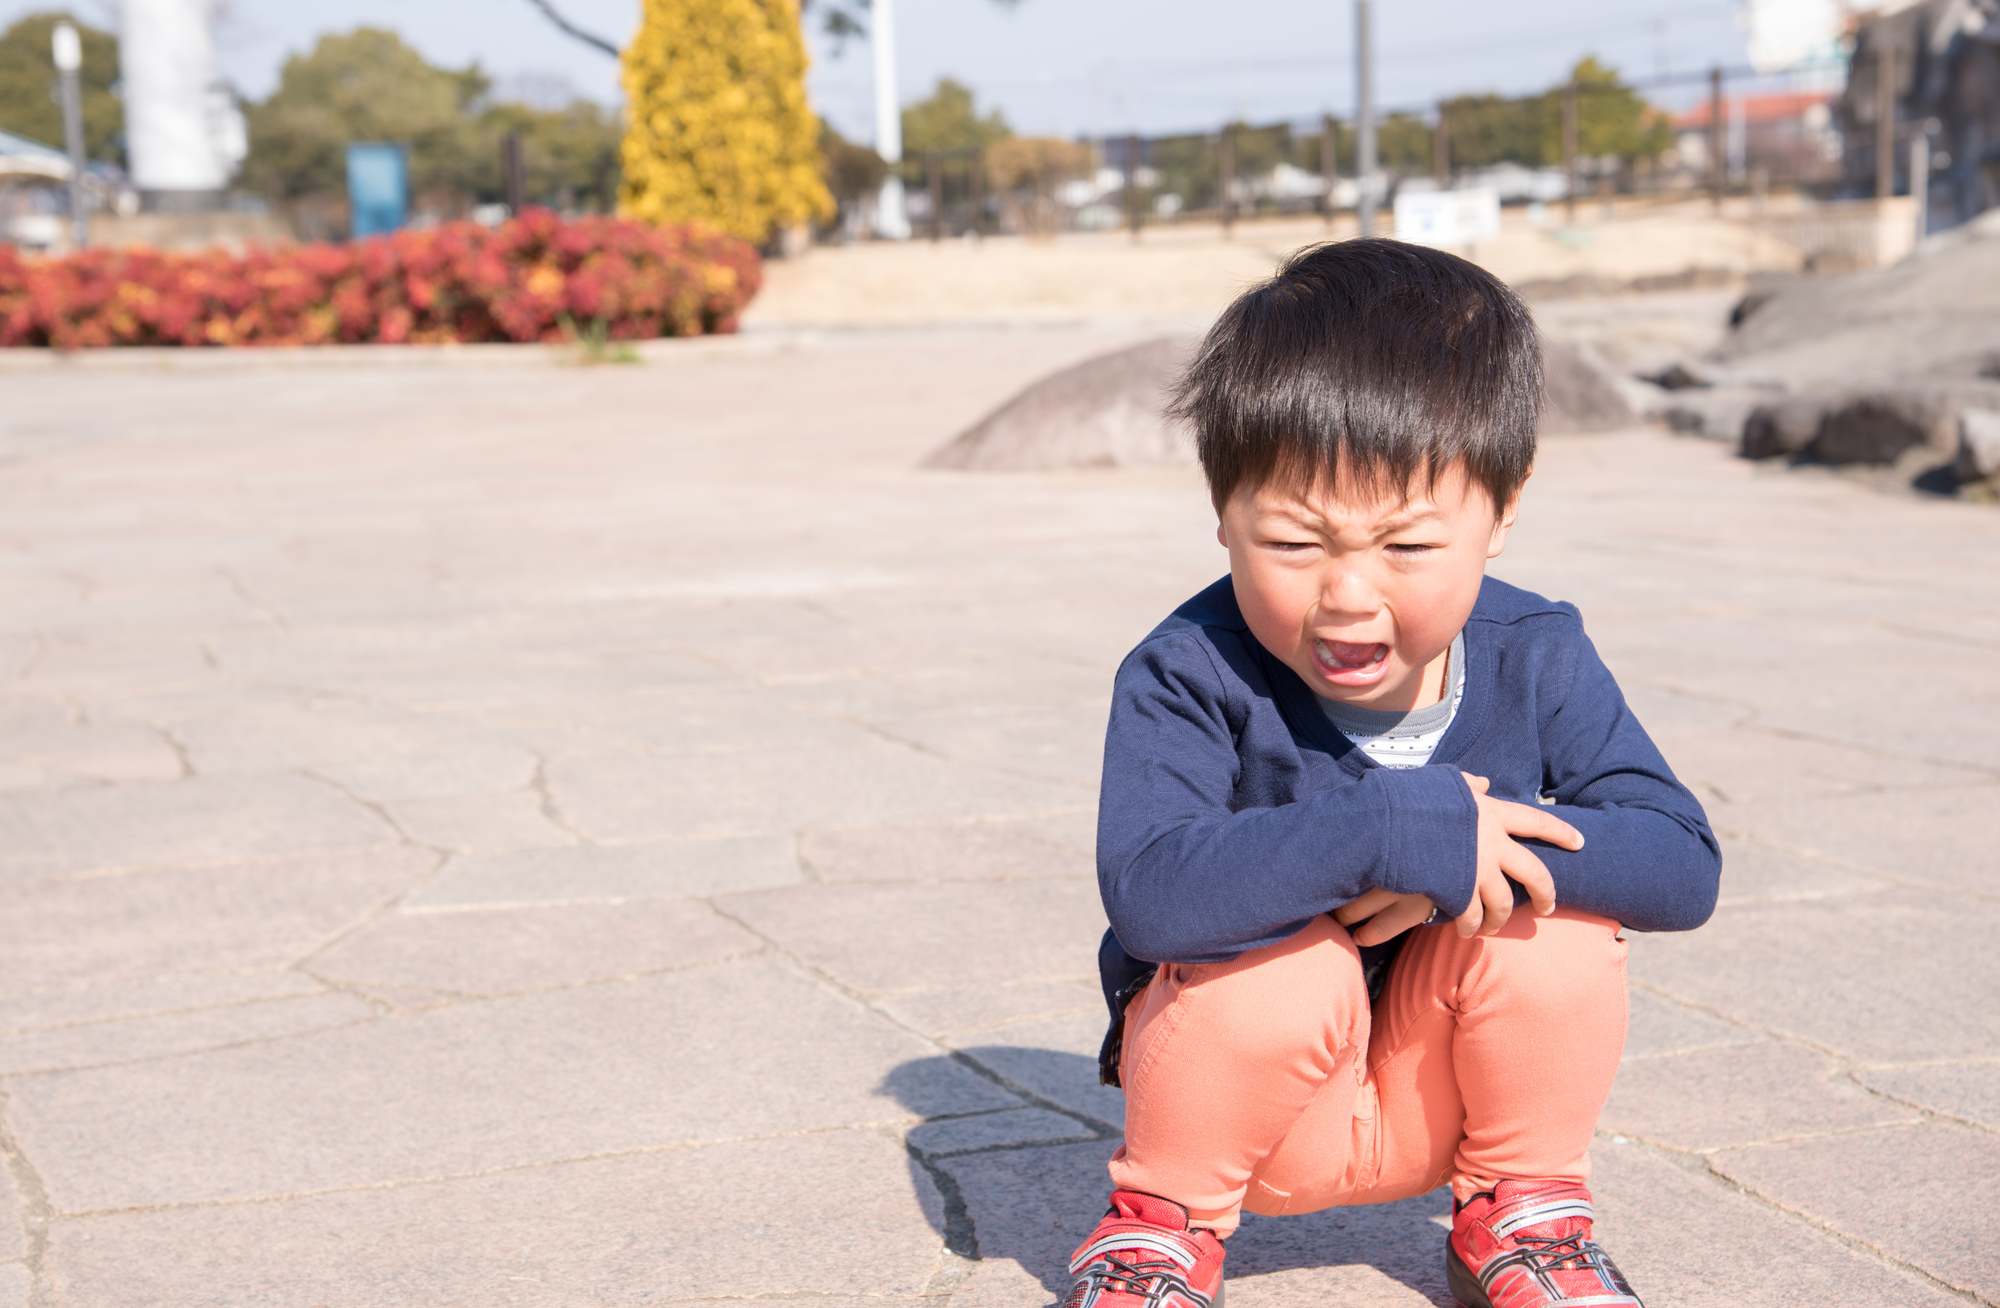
1504,522
1221,534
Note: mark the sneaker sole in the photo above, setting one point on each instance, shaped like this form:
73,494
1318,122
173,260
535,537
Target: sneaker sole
1465,1287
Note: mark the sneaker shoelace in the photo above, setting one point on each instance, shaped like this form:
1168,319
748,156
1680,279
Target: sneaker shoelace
1149,1278
1555,1253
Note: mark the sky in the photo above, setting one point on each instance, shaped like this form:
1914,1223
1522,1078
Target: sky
1054,67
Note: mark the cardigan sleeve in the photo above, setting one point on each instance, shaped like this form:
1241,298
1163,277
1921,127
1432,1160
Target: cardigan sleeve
1649,859
1189,877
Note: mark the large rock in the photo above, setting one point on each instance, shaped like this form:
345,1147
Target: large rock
1978,445
1105,412
1783,427
1876,426
1579,393
1934,316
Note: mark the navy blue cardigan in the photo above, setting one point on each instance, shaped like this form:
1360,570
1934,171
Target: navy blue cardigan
1233,811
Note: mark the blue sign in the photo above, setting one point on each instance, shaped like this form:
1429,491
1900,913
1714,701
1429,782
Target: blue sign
378,187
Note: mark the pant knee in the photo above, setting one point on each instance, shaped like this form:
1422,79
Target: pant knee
1302,993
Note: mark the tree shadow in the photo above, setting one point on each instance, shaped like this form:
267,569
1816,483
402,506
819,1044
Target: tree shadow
1025,1184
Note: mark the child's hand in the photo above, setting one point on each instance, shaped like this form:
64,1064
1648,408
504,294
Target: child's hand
1388,915
1501,857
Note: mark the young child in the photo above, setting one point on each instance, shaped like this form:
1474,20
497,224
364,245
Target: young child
1334,780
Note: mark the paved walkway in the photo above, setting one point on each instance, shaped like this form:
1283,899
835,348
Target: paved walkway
546,836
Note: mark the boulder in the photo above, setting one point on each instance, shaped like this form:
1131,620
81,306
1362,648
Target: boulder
1716,413
1106,412
1782,427
1579,393
1978,446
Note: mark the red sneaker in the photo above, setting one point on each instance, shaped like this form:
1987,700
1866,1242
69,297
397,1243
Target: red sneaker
1142,1255
1526,1244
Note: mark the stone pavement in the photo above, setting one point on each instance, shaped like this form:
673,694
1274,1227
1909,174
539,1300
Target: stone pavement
481,835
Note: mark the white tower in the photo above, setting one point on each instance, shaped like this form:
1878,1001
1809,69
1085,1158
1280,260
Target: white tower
183,132
891,220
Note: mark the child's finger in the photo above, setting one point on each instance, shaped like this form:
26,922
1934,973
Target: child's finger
1540,824
1406,912
1521,864
1479,785
1366,906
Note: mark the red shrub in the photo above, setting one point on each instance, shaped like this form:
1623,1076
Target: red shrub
457,282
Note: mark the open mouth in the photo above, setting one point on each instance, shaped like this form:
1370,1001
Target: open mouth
1348,664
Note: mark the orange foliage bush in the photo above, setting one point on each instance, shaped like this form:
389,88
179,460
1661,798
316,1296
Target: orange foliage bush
519,281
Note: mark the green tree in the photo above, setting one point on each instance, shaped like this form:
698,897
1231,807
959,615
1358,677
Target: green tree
30,103
948,121
851,170
1490,129
720,129
571,154
1612,121
365,85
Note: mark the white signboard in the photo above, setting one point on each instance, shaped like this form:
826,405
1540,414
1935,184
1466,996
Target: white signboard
1449,219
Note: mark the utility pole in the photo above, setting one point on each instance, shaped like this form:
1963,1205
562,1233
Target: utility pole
1920,178
1441,148
1134,211
1225,159
1716,162
1569,151
1364,117
976,182
934,188
1885,118
514,168
892,221
68,52
1329,164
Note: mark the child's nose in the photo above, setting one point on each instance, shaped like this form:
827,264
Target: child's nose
1348,590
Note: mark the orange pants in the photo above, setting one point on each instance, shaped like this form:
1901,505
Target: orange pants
1268,1083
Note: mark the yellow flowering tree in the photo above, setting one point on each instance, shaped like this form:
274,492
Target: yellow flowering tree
720,131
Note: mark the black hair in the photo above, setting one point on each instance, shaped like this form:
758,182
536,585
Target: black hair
1370,360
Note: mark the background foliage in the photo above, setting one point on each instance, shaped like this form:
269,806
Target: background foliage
367,85
533,278
720,130
29,101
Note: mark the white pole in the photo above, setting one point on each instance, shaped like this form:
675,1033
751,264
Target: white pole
1920,179
1364,118
68,54
892,221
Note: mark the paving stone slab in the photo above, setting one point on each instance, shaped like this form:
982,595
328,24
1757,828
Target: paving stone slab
1968,1091
1745,768
1908,1191
654,1228
1055,1058
707,1054
1650,1212
890,938
373,749
507,951
1659,1027
195,821
16,1285
581,874
1018,1126
63,754
989,1010
137,928
134,1039
1059,743
1892,977
940,851
1754,871
479,822
1717,1097
1942,836
13,1235
41,1010
633,799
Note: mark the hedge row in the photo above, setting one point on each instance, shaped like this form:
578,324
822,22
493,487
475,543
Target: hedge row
521,281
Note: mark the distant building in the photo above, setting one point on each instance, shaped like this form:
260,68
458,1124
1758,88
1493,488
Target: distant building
34,192
1946,60
1794,136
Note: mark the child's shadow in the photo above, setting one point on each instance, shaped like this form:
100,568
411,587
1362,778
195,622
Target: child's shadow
1025,1186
